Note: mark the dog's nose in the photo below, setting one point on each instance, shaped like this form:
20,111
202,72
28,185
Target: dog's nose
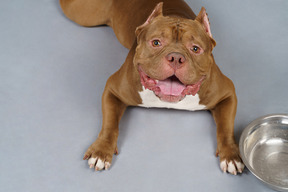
175,59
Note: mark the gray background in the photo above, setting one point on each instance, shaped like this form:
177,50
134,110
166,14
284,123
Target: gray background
53,72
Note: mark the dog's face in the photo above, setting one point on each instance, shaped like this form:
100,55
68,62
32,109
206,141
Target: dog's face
173,55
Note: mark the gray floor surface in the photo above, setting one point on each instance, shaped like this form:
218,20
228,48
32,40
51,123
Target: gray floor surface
53,72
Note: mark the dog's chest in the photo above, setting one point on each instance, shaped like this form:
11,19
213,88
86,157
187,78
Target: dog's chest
190,102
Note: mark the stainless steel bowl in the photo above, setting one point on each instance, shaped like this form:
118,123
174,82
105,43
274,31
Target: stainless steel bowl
264,150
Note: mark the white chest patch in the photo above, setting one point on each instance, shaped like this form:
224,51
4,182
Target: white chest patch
190,102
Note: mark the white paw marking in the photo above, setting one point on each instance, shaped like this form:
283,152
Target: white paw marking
223,166
107,165
240,166
98,164
91,162
232,167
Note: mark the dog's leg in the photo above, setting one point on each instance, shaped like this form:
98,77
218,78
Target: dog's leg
100,153
88,12
227,150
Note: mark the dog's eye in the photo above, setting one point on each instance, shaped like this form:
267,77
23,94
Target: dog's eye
195,49
156,43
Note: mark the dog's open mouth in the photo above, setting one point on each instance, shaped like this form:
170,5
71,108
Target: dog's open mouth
170,89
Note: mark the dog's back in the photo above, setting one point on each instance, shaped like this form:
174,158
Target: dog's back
122,15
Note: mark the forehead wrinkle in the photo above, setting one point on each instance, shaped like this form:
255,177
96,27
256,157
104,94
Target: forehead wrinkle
177,30
157,34
154,32
195,37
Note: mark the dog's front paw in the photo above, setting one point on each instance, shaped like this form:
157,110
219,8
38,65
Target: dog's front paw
230,159
100,154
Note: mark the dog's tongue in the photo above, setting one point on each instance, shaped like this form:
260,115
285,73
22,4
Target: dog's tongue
171,86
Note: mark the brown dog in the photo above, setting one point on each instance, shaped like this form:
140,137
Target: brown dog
170,64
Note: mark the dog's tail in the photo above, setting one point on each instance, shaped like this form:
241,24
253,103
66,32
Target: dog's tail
87,12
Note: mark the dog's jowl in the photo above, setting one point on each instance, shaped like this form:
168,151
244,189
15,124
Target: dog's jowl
169,65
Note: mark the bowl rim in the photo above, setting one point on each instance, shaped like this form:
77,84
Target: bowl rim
243,136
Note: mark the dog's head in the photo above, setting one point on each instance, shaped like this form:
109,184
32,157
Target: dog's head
173,54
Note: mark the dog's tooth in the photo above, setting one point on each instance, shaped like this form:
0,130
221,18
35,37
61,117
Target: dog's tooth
145,77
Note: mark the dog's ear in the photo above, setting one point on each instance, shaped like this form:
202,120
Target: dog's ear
155,13
203,19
